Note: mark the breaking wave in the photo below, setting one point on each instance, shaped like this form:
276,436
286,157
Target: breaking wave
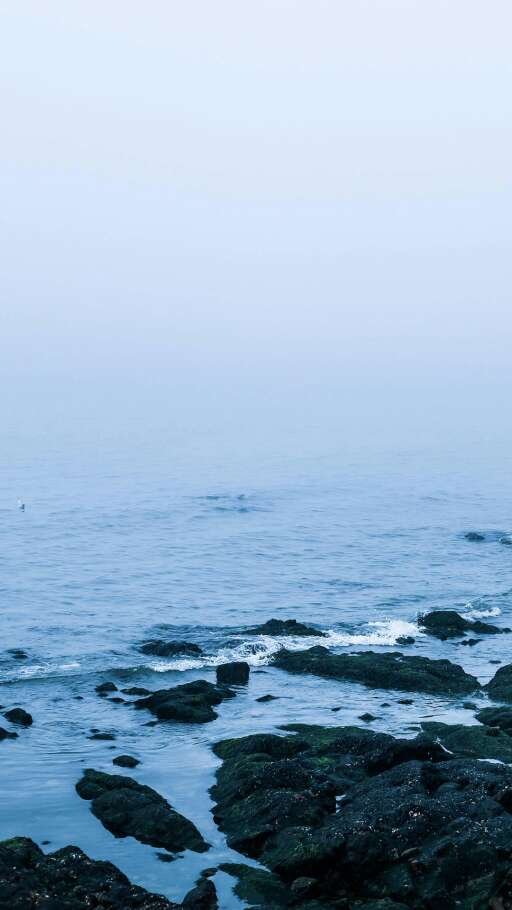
258,651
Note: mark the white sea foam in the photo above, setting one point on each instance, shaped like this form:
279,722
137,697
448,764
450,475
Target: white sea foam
258,651
471,613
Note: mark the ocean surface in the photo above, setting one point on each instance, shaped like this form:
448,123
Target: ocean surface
134,534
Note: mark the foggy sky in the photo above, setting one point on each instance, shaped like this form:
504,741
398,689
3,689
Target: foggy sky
313,195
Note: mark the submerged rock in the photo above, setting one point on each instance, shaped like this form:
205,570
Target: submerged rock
67,880
160,648
19,716
500,686
445,624
136,690
474,536
282,627
265,698
127,808
405,640
7,734
190,703
413,826
235,673
389,670
18,654
105,688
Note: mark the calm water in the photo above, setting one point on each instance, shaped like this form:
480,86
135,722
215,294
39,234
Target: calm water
131,534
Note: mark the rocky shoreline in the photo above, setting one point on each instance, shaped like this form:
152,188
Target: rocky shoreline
338,817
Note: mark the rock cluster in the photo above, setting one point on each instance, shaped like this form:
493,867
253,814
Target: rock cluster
346,818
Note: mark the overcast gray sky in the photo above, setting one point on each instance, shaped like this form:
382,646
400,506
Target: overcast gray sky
317,193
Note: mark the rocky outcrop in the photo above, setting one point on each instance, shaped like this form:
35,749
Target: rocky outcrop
446,624
105,688
160,648
202,897
496,717
191,703
281,627
125,761
127,808
19,716
348,818
500,686
66,880
390,670
235,673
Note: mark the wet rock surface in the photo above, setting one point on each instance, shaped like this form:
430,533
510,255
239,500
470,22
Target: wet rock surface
127,808
7,734
235,673
496,717
446,624
159,648
106,687
66,880
347,818
390,670
19,716
191,703
500,686
125,761
285,627
202,897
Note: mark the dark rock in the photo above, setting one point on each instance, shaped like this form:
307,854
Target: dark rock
136,690
265,698
105,688
474,536
469,705
268,783
127,808
6,734
202,897
19,716
117,701
446,624
471,642
405,701
367,717
169,648
496,717
405,640
500,686
165,857
126,761
418,827
506,540
233,674
66,880
462,740
390,670
282,627
259,888
190,703
18,654
102,736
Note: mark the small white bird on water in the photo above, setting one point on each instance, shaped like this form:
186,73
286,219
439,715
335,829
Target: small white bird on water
21,505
